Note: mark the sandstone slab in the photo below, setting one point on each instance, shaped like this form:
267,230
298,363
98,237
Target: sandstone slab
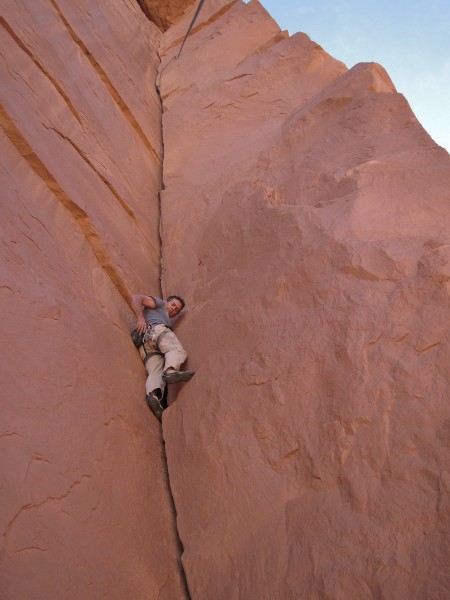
85,506
305,217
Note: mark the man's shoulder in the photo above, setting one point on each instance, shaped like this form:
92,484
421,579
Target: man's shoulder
158,301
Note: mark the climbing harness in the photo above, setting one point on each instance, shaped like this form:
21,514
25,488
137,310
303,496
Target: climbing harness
152,338
148,355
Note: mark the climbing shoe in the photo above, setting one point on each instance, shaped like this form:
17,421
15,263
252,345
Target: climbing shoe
177,376
155,406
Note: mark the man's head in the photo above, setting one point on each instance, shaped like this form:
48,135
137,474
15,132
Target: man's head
174,305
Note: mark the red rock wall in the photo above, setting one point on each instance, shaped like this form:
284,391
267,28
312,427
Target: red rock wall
306,218
85,509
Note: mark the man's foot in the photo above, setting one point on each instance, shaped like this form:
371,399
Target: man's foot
177,376
155,406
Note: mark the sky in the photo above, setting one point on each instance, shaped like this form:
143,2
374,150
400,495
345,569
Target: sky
411,40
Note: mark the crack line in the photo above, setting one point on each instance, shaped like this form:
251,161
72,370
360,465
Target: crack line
162,271
108,84
123,203
108,184
39,504
174,511
79,215
39,65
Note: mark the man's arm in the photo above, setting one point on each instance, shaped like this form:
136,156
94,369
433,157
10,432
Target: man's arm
138,303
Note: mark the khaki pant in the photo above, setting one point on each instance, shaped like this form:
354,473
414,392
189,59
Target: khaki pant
172,355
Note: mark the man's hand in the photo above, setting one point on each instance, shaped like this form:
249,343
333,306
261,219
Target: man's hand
141,325
138,302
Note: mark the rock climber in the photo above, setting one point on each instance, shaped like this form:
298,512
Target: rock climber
161,350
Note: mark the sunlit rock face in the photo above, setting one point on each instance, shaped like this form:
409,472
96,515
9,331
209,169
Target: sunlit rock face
85,511
306,218
164,12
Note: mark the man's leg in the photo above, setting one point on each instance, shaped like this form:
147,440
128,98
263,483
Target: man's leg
174,357
155,384
174,353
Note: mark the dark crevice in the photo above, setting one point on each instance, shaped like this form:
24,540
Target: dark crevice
163,16
152,17
161,274
175,528
161,188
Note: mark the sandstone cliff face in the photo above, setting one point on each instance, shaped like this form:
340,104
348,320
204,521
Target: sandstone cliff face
86,511
306,218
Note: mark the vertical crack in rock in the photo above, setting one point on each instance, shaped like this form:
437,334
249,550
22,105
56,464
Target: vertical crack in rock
161,188
174,511
161,273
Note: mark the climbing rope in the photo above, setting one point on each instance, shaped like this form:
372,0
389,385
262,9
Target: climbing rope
177,56
197,12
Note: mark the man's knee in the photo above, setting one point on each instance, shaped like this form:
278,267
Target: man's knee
170,343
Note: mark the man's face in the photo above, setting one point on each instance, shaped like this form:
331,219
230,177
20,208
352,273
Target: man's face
173,307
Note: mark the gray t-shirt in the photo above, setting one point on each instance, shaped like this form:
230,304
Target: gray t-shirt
158,315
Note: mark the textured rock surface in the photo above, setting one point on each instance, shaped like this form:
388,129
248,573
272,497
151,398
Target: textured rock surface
164,12
306,218
85,510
